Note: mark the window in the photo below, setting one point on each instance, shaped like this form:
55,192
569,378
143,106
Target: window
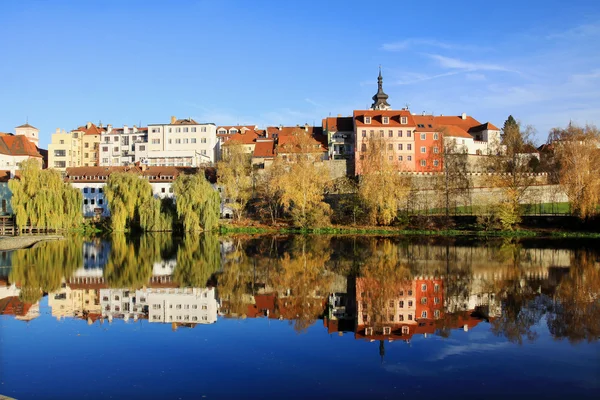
436,288
203,129
193,139
410,317
436,163
423,163
85,201
408,134
162,190
177,141
391,158
203,140
399,133
410,303
381,133
371,133
170,141
115,139
409,147
399,158
142,148
105,148
185,129
390,133
436,313
85,190
86,145
193,129
115,149
401,318
390,146
203,152
363,147
386,120
423,300
62,142
391,318
105,160
100,201
222,131
436,150
178,130
367,120
170,190
185,141
408,158
423,149
403,120
86,155
92,201
364,133
401,304
92,190
60,153
155,141
424,314
436,300
435,136
399,146
423,136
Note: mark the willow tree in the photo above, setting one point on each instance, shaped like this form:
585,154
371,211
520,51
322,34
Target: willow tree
125,193
41,198
302,183
198,257
234,175
198,203
577,150
381,186
42,269
130,262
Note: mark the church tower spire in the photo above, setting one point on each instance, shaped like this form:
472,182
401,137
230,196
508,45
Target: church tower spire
380,98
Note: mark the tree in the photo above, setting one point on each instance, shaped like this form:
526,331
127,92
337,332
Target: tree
302,183
509,162
234,175
198,203
577,150
268,192
127,194
130,261
381,186
454,183
198,257
41,198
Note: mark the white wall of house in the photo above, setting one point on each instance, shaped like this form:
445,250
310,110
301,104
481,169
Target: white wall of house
171,138
180,305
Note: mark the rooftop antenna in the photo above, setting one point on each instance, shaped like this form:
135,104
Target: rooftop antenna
27,119
407,105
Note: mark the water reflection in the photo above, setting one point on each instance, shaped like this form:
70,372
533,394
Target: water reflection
377,289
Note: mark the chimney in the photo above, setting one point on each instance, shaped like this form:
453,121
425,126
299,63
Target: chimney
108,128
135,129
305,127
423,113
173,119
464,116
339,115
57,130
280,127
125,129
88,125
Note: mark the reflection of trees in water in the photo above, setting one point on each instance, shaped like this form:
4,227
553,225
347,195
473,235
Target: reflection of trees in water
41,269
576,311
130,260
198,257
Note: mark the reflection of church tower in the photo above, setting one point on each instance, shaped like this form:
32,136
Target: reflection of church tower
382,350
380,99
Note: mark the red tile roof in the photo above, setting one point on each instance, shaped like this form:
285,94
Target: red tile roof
248,137
100,174
18,146
26,126
288,144
338,124
13,306
264,149
377,118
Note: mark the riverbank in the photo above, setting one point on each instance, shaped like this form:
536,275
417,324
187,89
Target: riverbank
551,227
24,242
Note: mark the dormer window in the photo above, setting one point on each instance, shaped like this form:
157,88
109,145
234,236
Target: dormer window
386,120
233,131
222,131
403,120
367,120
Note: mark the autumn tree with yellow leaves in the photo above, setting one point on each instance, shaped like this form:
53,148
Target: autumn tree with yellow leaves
234,176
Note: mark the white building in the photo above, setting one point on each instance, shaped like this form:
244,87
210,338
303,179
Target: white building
91,182
119,303
182,142
179,305
118,145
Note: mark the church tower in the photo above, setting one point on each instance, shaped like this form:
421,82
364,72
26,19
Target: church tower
30,132
380,99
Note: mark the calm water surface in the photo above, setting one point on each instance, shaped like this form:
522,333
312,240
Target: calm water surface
300,317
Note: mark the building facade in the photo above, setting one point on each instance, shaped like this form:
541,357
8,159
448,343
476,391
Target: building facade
118,145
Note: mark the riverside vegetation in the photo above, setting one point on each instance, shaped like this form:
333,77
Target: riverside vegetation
295,192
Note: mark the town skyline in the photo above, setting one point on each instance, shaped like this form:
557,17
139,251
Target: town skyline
535,64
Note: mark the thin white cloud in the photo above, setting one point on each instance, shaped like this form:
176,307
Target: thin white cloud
585,30
412,78
421,42
312,102
455,63
470,348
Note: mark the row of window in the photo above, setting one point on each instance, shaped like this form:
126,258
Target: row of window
186,140
390,133
386,120
179,130
92,190
93,201
180,318
179,306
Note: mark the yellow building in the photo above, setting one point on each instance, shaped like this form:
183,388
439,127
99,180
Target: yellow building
78,148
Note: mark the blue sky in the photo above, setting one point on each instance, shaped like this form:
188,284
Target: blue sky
293,62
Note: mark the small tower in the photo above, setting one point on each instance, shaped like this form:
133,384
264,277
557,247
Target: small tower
380,99
30,132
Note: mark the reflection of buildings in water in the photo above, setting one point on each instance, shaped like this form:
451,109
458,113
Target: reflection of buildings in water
11,304
70,302
95,254
181,305
119,303
164,267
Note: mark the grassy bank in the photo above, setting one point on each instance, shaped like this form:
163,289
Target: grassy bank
233,229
